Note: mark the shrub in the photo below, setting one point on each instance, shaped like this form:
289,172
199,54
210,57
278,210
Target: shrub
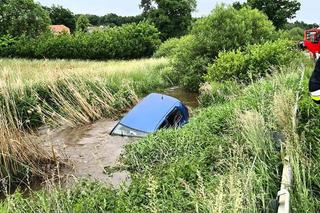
255,61
126,42
5,42
294,34
225,29
188,63
169,47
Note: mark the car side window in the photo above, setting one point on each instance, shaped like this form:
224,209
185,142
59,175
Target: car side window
173,119
313,37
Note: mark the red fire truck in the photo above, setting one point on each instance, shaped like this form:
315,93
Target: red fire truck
312,41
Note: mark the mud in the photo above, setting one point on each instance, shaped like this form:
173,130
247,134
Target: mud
88,150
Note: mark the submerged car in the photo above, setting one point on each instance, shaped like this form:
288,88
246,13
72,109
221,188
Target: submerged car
154,112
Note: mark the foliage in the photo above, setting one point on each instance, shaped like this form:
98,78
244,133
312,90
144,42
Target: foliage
277,11
60,15
6,41
225,29
68,93
254,62
225,159
82,23
169,47
171,17
218,92
22,17
125,42
294,34
112,20
301,25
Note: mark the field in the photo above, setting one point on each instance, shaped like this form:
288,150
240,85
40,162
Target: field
66,89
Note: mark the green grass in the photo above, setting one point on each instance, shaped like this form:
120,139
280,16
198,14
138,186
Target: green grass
227,159
75,92
70,93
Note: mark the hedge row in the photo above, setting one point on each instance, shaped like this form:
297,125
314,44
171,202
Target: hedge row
126,42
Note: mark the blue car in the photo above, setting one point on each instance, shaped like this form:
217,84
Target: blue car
154,112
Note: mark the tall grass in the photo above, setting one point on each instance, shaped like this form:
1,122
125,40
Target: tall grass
21,158
72,92
41,92
226,159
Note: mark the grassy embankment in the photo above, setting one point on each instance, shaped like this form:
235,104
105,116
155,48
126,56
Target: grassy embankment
41,92
228,158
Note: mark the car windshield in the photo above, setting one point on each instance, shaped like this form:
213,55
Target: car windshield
126,131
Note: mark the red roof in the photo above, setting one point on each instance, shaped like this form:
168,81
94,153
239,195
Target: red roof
59,29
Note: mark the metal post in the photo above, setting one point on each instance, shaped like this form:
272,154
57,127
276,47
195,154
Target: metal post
284,194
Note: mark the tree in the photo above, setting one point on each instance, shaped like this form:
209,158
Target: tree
224,29
237,5
94,19
22,17
82,23
300,24
60,15
112,19
172,17
278,11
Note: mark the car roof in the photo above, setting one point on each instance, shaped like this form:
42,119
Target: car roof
149,113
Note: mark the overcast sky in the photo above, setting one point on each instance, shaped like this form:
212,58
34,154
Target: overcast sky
309,10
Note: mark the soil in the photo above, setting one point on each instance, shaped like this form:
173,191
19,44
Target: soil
88,150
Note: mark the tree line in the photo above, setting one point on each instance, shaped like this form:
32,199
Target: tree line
173,18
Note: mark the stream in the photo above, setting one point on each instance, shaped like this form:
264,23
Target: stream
88,149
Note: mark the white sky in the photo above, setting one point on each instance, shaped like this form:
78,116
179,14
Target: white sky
309,8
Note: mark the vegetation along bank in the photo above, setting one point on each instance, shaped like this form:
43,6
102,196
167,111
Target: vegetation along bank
250,78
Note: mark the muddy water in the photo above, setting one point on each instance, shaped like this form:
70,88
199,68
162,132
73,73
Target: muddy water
190,99
88,149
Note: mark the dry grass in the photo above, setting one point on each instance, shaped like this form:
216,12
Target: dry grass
21,157
60,92
20,71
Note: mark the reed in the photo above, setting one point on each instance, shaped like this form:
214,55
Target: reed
62,93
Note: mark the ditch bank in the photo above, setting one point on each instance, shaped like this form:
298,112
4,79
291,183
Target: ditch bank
89,151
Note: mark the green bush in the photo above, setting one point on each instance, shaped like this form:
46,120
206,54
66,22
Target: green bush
168,48
225,29
6,40
255,61
126,42
22,46
295,34
188,63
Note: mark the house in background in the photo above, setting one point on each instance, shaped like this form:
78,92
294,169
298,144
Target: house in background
59,29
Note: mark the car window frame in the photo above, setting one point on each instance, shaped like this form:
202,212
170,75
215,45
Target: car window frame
176,123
